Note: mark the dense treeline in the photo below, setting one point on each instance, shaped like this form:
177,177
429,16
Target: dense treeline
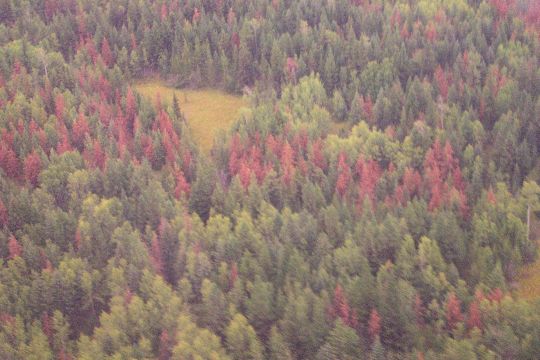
373,202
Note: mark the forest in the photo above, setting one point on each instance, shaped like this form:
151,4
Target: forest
375,198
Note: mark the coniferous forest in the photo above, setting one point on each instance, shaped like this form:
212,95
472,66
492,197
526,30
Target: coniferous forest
377,198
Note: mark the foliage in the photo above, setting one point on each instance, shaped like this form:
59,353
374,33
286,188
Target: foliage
376,199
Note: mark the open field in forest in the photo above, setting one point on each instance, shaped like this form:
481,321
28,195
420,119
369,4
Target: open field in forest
528,284
207,111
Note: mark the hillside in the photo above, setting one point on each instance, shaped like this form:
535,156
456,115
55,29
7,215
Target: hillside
366,199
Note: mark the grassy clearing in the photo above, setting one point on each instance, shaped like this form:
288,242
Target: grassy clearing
207,111
528,285
337,128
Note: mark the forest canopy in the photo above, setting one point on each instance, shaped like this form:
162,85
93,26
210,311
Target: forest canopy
377,199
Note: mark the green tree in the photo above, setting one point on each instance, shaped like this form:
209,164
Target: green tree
202,189
242,340
196,343
342,343
279,350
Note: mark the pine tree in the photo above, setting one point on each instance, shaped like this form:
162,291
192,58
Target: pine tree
377,350
442,82
106,52
9,161
32,168
287,163
164,350
453,311
342,343
182,186
278,347
15,249
131,110
80,131
340,309
245,174
344,175
59,107
242,340
4,216
156,254
374,325
201,191
474,319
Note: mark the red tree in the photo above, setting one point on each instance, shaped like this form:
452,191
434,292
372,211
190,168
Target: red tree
231,16
495,295
475,319
245,174
411,181
502,6
128,296
8,161
340,309
15,249
533,13
449,162
133,42
287,163
46,326
272,145
491,196
96,157
77,241
80,130
59,107
91,50
374,324
182,186
64,355
419,310
51,8
317,155
437,165
170,153
104,88
344,175
164,11
291,68
367,108
187,161
369,173
235,40
369,176
256,165
404,33
32,168
164,346
453,311
148,148
442,82
431,32
196,15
